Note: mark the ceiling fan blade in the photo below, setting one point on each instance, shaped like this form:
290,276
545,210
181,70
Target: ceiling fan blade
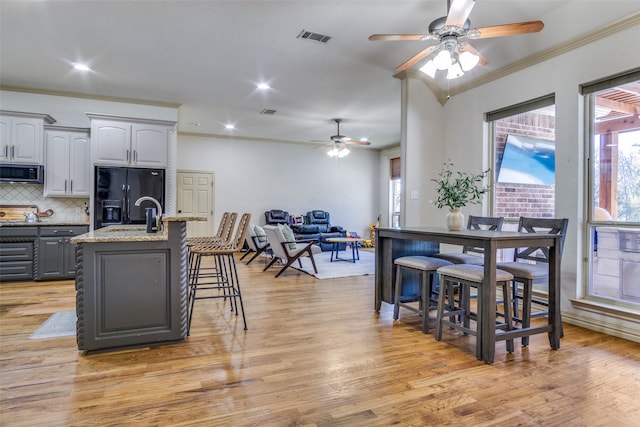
417,58
328,144
459,12
353,142
509,29
467,47
394,37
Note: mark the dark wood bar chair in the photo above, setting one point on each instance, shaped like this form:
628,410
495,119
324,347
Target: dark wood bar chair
426,267
531,266
468,276
224,284
470,254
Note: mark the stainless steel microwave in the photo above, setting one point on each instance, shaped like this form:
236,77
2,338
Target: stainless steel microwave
33,174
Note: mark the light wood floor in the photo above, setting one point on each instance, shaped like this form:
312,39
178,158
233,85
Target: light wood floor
315,354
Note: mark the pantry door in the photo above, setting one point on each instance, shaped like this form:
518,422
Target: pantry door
196,198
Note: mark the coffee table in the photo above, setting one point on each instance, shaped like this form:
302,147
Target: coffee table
353,241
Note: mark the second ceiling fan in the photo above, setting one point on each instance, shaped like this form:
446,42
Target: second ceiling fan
339,142
454,53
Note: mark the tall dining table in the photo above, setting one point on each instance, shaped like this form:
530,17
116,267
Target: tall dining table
389,242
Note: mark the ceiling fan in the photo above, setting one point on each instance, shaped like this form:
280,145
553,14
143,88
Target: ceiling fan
452,52
339,142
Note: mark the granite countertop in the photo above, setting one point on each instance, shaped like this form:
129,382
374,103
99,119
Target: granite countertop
131,232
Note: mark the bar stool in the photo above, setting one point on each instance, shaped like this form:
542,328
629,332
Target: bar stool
469,276
223,236
225,279
426,267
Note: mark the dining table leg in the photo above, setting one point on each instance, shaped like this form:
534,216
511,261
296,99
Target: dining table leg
488,301
554,316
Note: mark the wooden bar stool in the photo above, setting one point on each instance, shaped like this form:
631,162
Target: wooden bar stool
223,283
426,267
469,276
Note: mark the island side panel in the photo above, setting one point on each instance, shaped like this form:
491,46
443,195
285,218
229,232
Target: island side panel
132,293
392,244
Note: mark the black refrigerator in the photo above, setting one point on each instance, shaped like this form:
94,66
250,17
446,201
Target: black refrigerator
117,189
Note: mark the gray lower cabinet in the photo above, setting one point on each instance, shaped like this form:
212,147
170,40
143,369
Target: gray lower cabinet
131,294
17,248
56,253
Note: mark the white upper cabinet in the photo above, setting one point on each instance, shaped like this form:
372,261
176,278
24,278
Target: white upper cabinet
67,162
135,143
21,137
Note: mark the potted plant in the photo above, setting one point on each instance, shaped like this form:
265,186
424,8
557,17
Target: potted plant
457,191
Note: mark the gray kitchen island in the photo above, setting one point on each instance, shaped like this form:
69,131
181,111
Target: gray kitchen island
131,286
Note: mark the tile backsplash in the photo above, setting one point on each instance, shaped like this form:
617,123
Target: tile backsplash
64,209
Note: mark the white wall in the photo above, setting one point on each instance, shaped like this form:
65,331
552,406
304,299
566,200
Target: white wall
257,176
422,154
465,142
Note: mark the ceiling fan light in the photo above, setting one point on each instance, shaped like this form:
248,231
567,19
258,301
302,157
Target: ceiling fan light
442,60
429,68
455,71
468,60
333,152
343,152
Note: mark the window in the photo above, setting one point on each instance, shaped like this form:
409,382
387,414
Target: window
613,191
524,160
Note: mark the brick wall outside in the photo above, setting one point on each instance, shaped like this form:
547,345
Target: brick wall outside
515,200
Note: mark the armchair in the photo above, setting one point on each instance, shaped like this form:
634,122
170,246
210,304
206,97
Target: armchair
276,216
287,251
317,226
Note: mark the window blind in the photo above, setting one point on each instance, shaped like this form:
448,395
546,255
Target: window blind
395,168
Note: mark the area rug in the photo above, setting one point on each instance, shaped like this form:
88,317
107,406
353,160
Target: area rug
332,270
61,324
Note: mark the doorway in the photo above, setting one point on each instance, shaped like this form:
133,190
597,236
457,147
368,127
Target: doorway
195,196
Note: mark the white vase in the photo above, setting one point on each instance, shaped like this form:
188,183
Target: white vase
455,219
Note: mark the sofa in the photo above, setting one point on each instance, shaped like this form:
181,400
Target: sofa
317,226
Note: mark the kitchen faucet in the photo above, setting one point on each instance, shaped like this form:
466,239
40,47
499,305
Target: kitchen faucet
159,216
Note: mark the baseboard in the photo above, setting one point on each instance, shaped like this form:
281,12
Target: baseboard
602,325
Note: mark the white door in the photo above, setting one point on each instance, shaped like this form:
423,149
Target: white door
195,197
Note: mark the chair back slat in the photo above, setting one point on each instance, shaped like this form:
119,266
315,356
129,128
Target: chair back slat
227,231
543,226
222,225
241,232
482,223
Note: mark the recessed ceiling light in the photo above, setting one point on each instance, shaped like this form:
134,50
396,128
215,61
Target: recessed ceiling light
81,67
229,126
263,86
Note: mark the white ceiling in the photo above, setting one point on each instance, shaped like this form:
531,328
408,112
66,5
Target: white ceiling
208,56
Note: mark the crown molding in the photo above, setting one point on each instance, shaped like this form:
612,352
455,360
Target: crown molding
90,96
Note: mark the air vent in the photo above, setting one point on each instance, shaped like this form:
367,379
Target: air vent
268,112
304,34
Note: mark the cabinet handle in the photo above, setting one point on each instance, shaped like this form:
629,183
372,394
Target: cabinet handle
65,185
6,152
70,186
13,151
135,156
128,155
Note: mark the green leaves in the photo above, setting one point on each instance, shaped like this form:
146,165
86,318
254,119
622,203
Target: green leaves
459,190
